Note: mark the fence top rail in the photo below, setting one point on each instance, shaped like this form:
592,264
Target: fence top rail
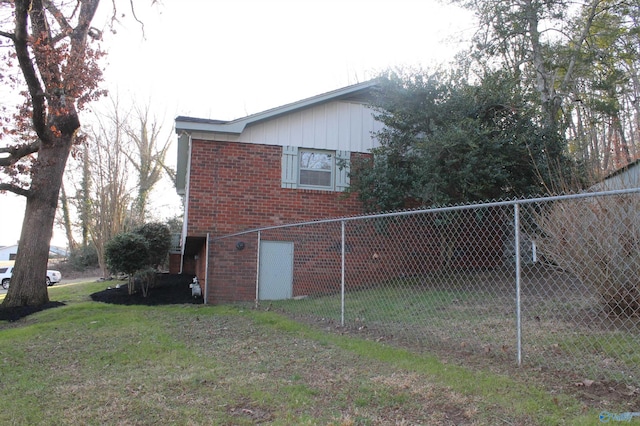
439,210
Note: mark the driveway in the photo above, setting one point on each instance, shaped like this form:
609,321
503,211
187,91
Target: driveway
65,282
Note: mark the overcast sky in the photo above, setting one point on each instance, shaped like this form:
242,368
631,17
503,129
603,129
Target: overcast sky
225,59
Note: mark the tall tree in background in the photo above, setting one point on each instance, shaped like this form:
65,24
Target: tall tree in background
108,196
66,219
78,176
517,34
123,144
605,114
578,60
53,45
147,155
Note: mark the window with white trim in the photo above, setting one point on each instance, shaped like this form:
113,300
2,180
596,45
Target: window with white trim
315,169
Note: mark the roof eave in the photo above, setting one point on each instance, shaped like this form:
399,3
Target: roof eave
188,124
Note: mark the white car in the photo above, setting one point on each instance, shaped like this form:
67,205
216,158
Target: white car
6,271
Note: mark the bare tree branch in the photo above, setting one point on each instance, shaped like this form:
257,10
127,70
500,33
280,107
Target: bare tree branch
10,36
21,42
133,12
17,152
15,189
66,29
171,172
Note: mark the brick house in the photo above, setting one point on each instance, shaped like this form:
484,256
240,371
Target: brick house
274,167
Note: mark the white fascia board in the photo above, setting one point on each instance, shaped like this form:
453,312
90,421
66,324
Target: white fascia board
237,126
191,126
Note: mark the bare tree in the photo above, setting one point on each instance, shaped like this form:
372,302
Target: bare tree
108,198
147,156
123,146
65,220
596,240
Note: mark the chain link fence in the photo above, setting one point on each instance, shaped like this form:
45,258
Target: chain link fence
550,282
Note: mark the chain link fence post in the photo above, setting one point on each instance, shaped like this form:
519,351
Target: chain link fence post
342,271
258,272
516,221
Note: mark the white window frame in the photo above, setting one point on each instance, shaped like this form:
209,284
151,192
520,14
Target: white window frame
331,171
291,169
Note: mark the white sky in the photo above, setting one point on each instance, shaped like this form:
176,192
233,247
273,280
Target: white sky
225,59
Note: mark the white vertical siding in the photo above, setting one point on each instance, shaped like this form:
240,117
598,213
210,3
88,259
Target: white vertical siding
624,179
284,128
344,127
357,134
319,127
295,130
335,125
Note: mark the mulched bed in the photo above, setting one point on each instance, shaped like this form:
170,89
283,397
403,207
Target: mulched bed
170,289
14,314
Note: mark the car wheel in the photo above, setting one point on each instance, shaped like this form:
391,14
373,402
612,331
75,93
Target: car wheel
5,283
49,283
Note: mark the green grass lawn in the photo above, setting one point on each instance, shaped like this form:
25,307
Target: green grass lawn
98,364
446,317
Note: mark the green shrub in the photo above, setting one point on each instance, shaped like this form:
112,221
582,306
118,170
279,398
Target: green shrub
127,252
139,254
82,258
158,237
147,280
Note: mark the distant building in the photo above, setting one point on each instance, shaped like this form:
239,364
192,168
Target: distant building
10,252
623,178
56,252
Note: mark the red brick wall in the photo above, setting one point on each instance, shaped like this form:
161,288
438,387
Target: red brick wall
232,272
235,187
388,248
175,262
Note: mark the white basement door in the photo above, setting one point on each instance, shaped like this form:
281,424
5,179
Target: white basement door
275,280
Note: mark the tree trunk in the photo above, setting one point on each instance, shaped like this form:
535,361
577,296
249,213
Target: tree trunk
28,283
622,148
85,201
66,219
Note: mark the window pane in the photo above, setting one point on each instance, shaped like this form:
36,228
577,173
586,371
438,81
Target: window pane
315,161
315,178
316,168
